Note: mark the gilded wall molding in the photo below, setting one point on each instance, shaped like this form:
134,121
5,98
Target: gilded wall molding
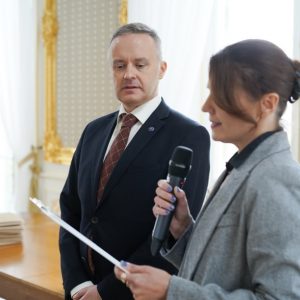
123,16
54,151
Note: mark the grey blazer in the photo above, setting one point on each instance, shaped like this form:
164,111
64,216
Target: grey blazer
245,243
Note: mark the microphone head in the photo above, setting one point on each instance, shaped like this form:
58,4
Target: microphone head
180,162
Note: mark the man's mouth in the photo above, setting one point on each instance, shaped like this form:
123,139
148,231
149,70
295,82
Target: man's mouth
130,87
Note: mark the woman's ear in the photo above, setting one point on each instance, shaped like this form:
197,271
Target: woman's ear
269,103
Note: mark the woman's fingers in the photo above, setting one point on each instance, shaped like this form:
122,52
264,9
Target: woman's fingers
166,195
164,199
163,194
180,195
162,207
163,184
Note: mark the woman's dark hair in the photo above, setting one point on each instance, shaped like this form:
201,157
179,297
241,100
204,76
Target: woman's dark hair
257,67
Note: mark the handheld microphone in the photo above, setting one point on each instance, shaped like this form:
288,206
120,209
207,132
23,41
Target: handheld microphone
179,166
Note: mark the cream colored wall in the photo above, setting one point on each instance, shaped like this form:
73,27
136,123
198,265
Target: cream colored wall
84,86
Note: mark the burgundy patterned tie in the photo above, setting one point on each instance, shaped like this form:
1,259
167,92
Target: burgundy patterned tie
111,159
116,149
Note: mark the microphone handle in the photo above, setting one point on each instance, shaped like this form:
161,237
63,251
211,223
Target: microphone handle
162,223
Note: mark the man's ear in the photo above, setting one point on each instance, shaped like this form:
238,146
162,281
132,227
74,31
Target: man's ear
269,103
162,69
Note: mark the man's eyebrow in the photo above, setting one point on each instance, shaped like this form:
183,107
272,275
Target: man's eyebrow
118,61
141,59
136,60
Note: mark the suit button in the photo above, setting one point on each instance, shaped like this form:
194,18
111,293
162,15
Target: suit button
94,220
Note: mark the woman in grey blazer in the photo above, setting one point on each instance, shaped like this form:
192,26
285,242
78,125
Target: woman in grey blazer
245,243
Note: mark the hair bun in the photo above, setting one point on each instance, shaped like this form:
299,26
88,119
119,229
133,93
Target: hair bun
296,89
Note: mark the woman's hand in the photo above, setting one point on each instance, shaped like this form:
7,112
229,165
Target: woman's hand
145,283
165,203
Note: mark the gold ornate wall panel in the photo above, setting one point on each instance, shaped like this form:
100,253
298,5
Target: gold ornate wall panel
78,78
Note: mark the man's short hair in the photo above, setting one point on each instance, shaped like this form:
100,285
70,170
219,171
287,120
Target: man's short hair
139,28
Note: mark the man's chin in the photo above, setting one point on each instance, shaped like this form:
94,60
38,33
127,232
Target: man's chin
131,97
131,103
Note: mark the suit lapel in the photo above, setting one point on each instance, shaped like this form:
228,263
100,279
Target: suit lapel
148,130
99,152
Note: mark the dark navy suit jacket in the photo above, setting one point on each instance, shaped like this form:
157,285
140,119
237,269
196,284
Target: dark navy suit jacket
122,224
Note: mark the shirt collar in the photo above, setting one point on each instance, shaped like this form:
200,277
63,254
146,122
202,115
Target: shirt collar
240,157
143,112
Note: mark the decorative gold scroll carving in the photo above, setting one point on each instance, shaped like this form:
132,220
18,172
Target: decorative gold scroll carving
53,148
123,16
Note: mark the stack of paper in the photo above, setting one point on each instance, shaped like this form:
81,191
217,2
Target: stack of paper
11,225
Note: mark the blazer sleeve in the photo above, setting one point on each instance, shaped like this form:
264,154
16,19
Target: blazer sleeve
73,270
195,187
175,253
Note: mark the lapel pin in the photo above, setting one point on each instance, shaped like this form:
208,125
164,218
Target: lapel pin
151,129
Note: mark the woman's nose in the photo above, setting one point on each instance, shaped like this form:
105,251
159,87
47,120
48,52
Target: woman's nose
205,106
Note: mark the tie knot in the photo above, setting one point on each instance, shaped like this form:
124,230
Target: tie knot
128,120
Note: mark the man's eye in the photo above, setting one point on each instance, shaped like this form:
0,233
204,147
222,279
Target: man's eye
119,67
140,66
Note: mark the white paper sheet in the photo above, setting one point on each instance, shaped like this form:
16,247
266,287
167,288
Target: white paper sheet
76,233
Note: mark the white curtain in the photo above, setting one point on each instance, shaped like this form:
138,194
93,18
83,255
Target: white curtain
185,28
17,92
192,31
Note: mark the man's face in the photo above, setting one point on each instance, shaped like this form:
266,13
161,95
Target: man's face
137,69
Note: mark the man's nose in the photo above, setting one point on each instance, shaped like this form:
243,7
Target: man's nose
129,72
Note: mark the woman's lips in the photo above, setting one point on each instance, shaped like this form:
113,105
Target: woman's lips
215,124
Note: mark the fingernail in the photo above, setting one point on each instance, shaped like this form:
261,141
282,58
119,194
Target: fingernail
173,199
169,189
171,207
178,189
123,263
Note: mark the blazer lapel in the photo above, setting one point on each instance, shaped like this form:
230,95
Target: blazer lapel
214,190
99,152
148,130
209,218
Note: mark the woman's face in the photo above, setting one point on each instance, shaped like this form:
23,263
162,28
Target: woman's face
228,128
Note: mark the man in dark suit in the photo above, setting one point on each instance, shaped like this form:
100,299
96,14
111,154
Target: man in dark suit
117,213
